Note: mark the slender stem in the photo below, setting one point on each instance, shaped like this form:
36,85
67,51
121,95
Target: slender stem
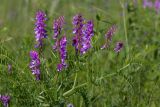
81,102
115,73
73,87
125,27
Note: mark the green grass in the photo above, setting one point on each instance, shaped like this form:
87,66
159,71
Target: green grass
100,78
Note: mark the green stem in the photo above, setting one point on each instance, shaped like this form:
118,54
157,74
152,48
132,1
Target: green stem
115,73
125,27
73,89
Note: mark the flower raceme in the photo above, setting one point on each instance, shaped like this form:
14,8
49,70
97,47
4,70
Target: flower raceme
119,46
157,6
5,100
147,3
62,53
40,31
150,4
82,34
108,36
62,50
57,28
60,44
77,22
86,39
35,64
110,33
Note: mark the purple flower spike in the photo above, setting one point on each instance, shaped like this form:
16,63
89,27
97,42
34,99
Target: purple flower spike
147,3
63,44
110,32
60,44
63,53
5,99
86,39
55,46
40,32
157,6
57,26
78,26
35,64
118,47
59,67
109,36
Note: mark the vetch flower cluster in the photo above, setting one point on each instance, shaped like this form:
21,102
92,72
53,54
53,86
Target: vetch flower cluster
108,36
150,4
78,26
157,6
57,28
147,3
40,31
110,32
62,53
5,99
35,64
118,47
86,39
60,44
82,34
